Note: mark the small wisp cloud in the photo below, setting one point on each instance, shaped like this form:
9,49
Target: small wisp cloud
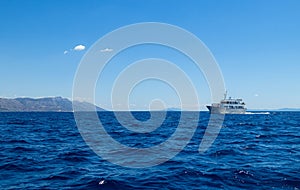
79,48
106,50
76,48
82,47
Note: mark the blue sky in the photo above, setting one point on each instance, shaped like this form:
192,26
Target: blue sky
256,44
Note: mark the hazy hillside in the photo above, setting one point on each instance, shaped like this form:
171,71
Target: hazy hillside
44,104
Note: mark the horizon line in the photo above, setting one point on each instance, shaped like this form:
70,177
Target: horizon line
166,109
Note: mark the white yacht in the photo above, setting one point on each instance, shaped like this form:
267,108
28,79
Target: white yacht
228,106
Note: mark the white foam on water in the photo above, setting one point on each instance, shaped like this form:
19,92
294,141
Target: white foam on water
101,182
255,113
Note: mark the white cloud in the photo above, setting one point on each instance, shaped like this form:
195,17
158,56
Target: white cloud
106,50
255,95
66,51
79,48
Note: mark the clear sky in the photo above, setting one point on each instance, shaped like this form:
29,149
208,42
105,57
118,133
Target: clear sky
255,42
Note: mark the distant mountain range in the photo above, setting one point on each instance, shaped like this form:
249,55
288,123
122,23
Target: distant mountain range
51,104
289,109
280,109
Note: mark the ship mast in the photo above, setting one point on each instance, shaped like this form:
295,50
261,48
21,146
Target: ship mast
225,95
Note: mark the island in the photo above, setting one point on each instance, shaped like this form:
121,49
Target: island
47,104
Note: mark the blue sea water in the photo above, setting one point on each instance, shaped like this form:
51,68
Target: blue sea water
252,151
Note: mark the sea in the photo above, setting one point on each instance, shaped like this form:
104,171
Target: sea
45,150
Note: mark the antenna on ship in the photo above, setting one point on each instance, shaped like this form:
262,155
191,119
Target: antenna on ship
225,95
